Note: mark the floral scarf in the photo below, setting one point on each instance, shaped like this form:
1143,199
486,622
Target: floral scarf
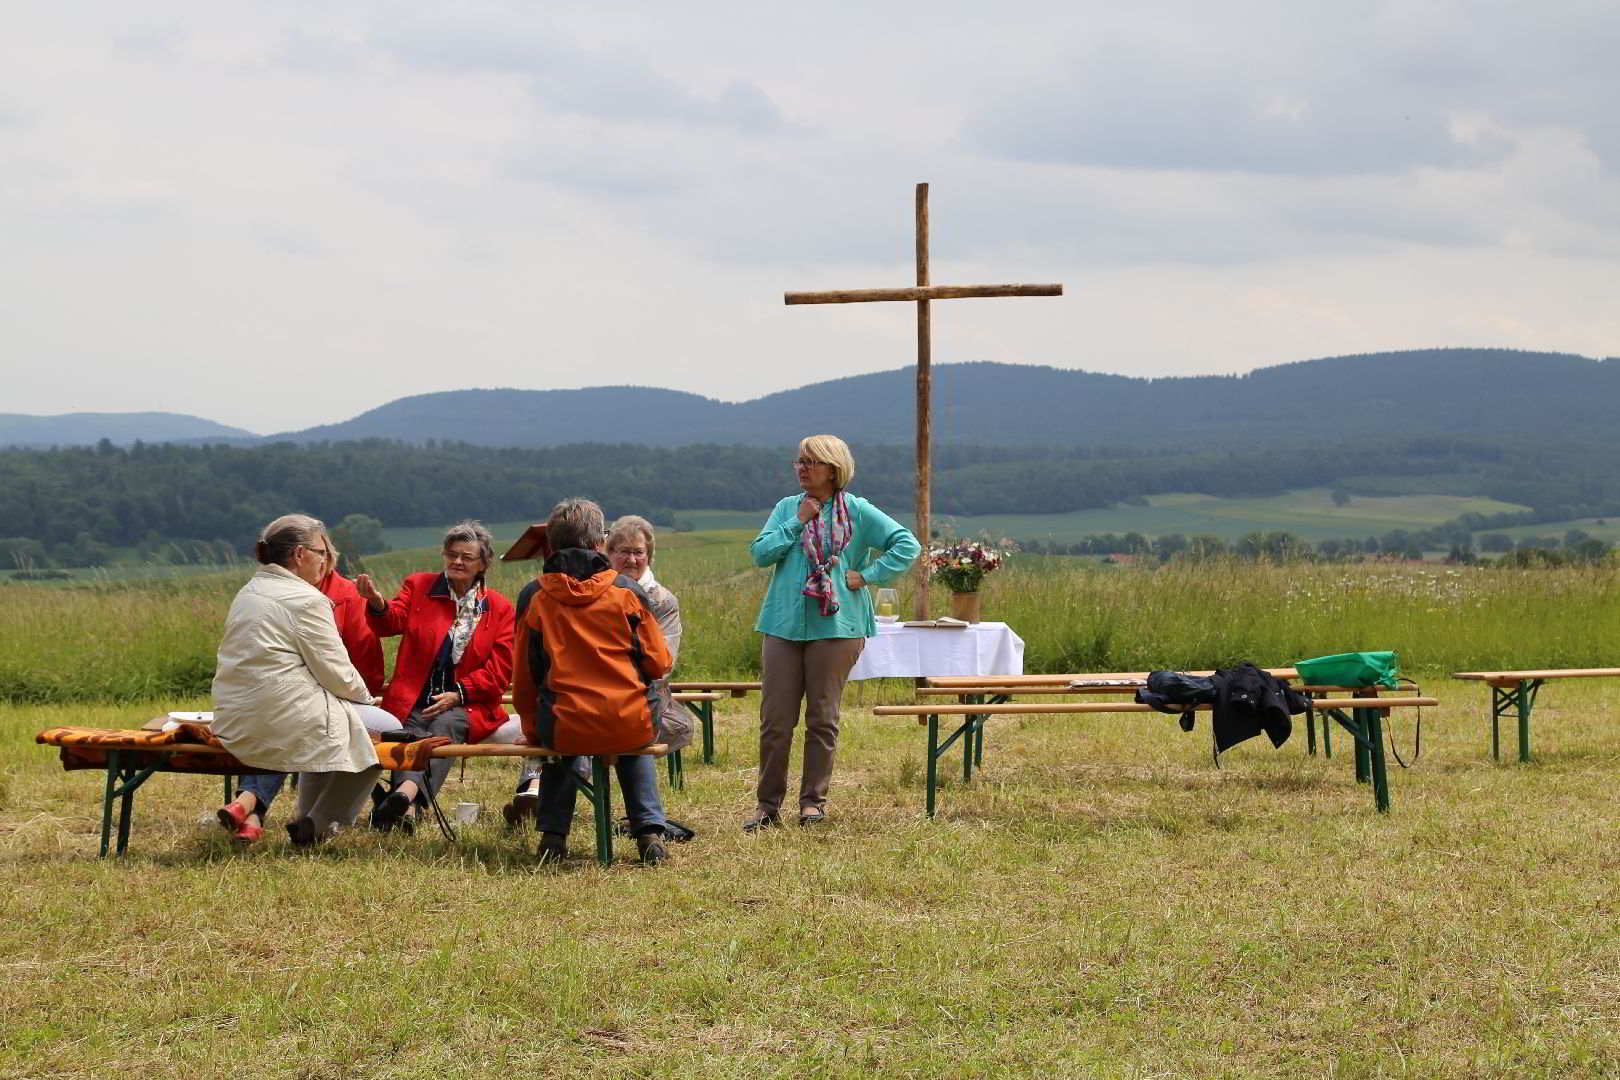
823,541
468,608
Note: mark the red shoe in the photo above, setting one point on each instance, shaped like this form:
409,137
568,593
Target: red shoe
248,833
232,817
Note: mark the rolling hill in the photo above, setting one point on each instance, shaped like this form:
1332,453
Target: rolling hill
87,429
1436,391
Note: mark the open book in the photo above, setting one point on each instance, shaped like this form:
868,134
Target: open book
944,622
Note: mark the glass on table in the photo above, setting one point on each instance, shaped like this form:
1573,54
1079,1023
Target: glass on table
888,603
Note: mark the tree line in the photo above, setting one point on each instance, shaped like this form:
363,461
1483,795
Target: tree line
73,506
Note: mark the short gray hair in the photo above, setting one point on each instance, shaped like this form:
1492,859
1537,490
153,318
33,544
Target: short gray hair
285,535
631,526
576,523
471,532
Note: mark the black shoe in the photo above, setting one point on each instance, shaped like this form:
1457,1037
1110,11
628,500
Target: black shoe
390,812
813,816
525,804
759,819
553,848
650,846
302,832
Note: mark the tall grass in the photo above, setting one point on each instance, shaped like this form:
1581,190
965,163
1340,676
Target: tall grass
117,640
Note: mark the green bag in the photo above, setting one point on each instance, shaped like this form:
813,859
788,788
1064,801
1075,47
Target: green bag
1350,669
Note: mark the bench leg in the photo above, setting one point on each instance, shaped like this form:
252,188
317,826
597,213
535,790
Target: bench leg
677,772
1310,732
933,765
122,783
1374,720
1519,699
936,749
600,793
1363,755
706,714
1366,728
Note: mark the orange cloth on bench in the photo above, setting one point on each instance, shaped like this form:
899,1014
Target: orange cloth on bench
408,756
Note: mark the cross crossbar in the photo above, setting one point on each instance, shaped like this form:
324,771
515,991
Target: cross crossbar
922,292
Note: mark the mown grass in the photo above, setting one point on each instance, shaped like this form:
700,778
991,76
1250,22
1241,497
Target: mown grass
1101,901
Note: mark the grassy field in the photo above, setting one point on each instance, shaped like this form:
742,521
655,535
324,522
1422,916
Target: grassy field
1100,902
120,641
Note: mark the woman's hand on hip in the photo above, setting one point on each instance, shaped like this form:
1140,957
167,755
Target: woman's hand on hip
809,508
854,579
441,702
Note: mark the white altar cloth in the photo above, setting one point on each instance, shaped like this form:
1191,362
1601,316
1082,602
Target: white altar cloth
912,652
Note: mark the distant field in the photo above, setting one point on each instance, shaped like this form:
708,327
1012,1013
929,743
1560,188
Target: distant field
1602,528
1308,513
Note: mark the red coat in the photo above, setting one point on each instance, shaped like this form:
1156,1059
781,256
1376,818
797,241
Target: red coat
422,613
349,612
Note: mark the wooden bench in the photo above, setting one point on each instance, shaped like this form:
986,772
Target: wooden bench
1515,692
131,761
980,698
705,710
1000,689
710,693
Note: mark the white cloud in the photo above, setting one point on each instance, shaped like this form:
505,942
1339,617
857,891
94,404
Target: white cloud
279,215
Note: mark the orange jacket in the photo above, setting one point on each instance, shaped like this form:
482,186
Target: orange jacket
588,652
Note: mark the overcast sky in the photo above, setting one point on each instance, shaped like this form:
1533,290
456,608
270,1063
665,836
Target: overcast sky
277,215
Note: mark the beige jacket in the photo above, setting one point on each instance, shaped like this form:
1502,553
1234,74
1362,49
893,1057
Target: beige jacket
283,682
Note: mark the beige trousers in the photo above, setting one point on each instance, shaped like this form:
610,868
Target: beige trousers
813,672
334,798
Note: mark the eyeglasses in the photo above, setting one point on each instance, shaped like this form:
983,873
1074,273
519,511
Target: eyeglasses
630,553
325,553
807,463
458,557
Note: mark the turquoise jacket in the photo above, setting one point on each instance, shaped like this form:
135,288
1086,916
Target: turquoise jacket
787,612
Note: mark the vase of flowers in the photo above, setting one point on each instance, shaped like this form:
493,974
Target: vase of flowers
961,565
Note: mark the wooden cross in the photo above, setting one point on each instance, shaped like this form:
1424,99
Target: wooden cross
922,294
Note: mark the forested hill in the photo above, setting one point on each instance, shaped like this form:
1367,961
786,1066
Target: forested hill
87,429
1436,391
68,501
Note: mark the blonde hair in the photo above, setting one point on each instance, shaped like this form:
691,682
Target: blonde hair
625,527
287,534
835,452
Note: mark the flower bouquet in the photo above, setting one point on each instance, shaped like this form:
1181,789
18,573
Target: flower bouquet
962,564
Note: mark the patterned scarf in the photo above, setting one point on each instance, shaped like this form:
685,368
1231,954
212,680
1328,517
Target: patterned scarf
466,621
823,541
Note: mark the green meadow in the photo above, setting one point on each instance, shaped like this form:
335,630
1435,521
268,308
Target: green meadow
1101,900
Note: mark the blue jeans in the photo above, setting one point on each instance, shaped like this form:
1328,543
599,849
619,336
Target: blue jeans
638,780
265,788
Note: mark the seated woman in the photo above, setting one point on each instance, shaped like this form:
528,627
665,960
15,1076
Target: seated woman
258,790
286,696
629,547
454,662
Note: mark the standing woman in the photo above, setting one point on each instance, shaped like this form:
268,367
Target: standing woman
286,696
816,618
455,657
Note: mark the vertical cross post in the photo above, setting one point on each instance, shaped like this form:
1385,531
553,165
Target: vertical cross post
925,418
